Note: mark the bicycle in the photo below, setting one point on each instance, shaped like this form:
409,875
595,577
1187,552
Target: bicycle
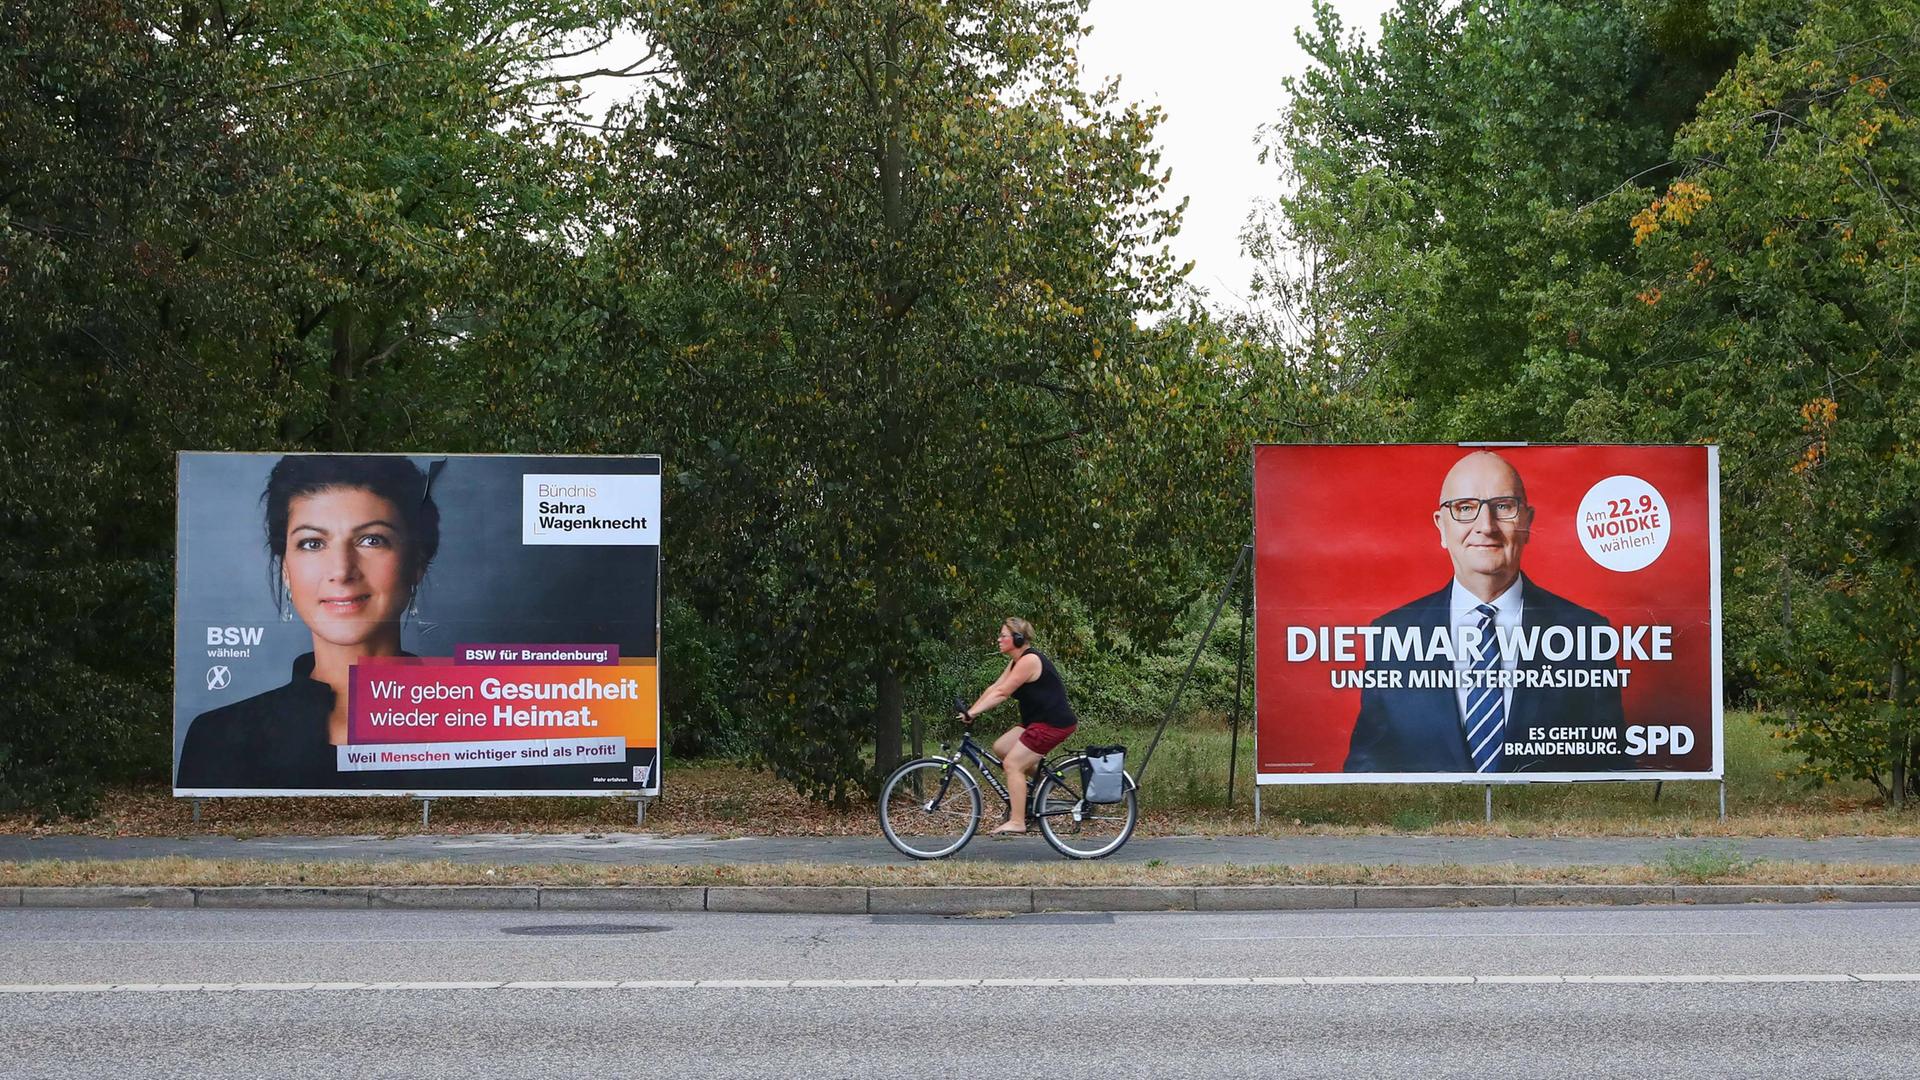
930,807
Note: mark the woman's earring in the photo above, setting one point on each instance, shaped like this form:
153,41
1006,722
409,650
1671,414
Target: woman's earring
286,604
413,607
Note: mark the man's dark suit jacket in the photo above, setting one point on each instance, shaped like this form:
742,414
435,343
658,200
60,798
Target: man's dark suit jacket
1418,730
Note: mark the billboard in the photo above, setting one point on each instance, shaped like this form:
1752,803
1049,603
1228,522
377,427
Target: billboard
379,624
1486,614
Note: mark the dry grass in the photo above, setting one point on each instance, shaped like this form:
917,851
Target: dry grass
730,800
723,800
206,872
1184,795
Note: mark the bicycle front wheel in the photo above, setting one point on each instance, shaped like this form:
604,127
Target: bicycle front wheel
929,808
1079,829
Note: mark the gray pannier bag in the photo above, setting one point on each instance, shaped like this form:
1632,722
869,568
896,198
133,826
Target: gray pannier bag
1105,774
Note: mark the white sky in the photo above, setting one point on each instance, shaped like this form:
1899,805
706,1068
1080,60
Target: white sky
1215,66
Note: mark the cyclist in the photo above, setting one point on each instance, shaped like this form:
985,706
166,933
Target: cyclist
1045,717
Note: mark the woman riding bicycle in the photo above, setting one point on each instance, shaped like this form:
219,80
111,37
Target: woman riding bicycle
1045,717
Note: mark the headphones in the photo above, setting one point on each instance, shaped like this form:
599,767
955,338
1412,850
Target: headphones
1019,639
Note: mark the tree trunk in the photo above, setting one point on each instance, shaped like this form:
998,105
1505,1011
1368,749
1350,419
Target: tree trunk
889,703
1902,748
340,382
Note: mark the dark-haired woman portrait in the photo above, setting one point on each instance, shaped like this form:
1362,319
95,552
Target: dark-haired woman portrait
349,539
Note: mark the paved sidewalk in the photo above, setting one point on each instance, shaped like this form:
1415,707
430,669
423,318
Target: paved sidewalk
636,848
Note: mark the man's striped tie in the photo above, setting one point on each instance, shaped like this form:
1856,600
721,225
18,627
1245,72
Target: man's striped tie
1486,705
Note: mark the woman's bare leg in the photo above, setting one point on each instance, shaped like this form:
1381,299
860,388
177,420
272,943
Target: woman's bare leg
1019,761
1004,745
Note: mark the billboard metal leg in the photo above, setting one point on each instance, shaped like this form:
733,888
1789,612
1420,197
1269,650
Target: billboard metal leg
1246,552
1489,804
426,810
1657,785
1723,800
196,811
1256,804
639,811
1239,680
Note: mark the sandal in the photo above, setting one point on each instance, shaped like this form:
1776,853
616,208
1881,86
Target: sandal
1006,831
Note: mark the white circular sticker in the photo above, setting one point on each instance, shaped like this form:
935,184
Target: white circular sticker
1623,523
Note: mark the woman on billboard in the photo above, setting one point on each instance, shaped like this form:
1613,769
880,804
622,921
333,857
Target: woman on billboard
350,539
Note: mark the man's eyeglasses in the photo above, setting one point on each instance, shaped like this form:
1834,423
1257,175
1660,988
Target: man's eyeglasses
1505,508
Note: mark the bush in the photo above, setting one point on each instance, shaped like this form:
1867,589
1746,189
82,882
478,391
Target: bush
1132,686
1112,684
699,671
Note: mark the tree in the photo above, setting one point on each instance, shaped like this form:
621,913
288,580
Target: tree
874,290
1773,309
251,225
1440,178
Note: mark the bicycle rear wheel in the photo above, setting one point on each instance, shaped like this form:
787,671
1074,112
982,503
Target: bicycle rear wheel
1079,829
929,808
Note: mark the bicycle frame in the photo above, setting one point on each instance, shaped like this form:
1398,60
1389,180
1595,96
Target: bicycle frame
982,757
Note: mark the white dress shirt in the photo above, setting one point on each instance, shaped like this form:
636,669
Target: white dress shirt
1506,614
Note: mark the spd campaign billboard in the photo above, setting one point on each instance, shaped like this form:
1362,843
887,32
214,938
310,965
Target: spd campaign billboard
1486,614
367,624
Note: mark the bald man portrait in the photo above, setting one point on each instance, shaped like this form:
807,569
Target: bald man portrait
1467,724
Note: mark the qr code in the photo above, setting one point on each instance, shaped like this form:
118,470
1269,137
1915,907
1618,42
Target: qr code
640,773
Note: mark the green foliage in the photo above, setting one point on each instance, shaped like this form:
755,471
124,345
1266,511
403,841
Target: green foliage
1776,276
1415,818
870,279
280,224
701,663
867,273
1134,685
1424,168
1116,683
100,280
1708,862
889,288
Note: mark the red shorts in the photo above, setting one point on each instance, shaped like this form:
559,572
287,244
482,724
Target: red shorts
1042,738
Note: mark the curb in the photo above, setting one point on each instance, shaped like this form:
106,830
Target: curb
931,900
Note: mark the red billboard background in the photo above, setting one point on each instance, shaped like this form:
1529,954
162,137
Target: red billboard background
1344,534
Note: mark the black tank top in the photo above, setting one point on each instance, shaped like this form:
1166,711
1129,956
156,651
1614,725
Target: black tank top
1044,700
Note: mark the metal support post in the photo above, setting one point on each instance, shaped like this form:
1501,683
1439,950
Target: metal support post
1657,785
1239,680
426,809
1723,800
1246,552
1256,801
1489,804
639,810
196,811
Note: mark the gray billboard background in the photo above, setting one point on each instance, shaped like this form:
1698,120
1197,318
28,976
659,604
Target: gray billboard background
484,585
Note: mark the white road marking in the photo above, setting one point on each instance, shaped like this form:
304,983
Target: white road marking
1538,934
195,943
1388,980
981,983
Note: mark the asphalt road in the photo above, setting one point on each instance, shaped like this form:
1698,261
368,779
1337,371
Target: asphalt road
1752,991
